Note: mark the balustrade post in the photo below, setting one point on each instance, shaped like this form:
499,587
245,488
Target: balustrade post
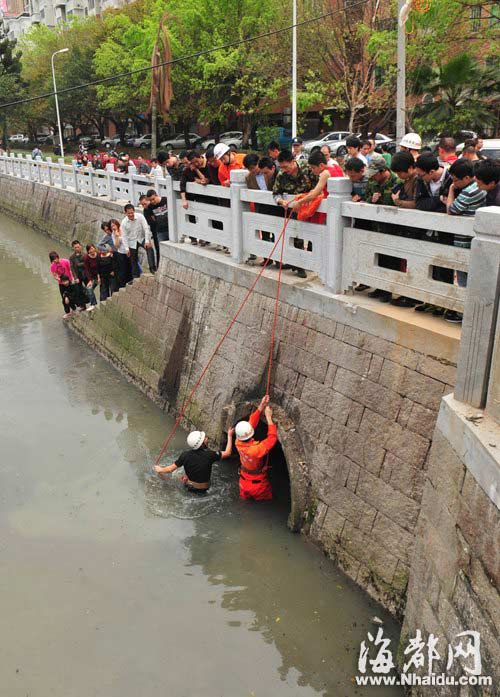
339,190
48,160
31,175
132,169
60,162
479,324
238,182
173,230
109,170
75,175
91,181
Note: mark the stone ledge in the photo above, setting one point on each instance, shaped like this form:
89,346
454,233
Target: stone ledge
404,327
477,444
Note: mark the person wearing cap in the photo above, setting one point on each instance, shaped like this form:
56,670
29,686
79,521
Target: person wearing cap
229,160
411,143
197,461
254,481
381,182
297,149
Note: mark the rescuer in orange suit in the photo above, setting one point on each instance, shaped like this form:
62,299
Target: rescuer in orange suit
254,483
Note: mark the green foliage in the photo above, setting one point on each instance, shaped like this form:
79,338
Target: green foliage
347,63
265,134
461,89
11,86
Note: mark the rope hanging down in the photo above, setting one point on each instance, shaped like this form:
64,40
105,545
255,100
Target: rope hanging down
281,238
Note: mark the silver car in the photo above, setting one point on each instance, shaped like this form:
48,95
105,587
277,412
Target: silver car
178,142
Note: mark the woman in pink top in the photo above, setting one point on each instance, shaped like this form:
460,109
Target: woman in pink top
60,267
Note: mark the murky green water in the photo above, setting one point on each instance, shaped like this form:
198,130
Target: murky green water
114,584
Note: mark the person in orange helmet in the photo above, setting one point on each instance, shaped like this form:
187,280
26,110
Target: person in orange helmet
254,482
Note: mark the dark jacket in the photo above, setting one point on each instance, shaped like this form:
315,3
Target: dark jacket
251,181
426,201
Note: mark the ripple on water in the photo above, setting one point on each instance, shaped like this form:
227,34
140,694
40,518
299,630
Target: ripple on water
169,498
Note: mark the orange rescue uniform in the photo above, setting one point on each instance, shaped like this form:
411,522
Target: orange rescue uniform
254,483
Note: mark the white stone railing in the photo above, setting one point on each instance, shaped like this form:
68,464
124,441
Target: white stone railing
344,251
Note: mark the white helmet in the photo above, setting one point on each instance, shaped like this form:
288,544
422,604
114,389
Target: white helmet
195,439
412,141
244,430
220,150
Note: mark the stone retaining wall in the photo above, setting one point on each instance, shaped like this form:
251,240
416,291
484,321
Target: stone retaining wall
63,215
364,406
455,573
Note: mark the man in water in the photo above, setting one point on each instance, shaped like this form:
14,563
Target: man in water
198,461
254,482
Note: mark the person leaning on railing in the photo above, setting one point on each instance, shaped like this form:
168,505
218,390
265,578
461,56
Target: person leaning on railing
464,198
293,178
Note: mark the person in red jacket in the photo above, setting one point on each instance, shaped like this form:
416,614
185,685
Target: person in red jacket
254,482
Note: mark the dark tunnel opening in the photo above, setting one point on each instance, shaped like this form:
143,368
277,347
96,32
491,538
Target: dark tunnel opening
278,470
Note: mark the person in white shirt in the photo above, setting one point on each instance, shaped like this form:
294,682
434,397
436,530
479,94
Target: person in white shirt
353,145
137,233
156,169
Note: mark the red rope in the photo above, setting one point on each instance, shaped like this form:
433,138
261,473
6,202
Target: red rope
233,320
276,307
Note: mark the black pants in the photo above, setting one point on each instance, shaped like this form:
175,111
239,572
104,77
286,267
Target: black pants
107,286
134,254
156,241
123,270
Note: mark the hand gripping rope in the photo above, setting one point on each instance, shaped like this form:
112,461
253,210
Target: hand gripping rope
281,238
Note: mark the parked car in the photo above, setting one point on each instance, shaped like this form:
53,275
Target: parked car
46,139
87,141
207,141
234,138
112,142
490,149
19,138
334,140
178,142
142,141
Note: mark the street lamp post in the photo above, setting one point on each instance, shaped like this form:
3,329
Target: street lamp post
62,50
294,69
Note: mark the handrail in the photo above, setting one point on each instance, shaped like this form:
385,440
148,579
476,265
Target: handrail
409,217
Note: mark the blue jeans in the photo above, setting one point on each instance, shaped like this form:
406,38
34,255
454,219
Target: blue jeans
91,294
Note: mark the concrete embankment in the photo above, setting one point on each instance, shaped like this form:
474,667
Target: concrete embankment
358,393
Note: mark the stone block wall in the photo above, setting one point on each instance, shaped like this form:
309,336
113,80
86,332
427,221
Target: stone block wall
364,406
62,215
455,572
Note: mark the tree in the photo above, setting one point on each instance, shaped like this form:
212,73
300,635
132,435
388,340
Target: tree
78,108
349,58
11,87
127,46
462,91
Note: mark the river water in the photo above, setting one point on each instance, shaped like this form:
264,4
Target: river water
114,584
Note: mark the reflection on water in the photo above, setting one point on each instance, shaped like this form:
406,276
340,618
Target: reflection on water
117,584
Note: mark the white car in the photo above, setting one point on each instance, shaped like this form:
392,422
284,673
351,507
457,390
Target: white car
112,142
142,141
178,142
232,138
336,141
490,149
332,139
18,138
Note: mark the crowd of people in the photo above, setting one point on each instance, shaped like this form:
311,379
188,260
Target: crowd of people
114,261
414,177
